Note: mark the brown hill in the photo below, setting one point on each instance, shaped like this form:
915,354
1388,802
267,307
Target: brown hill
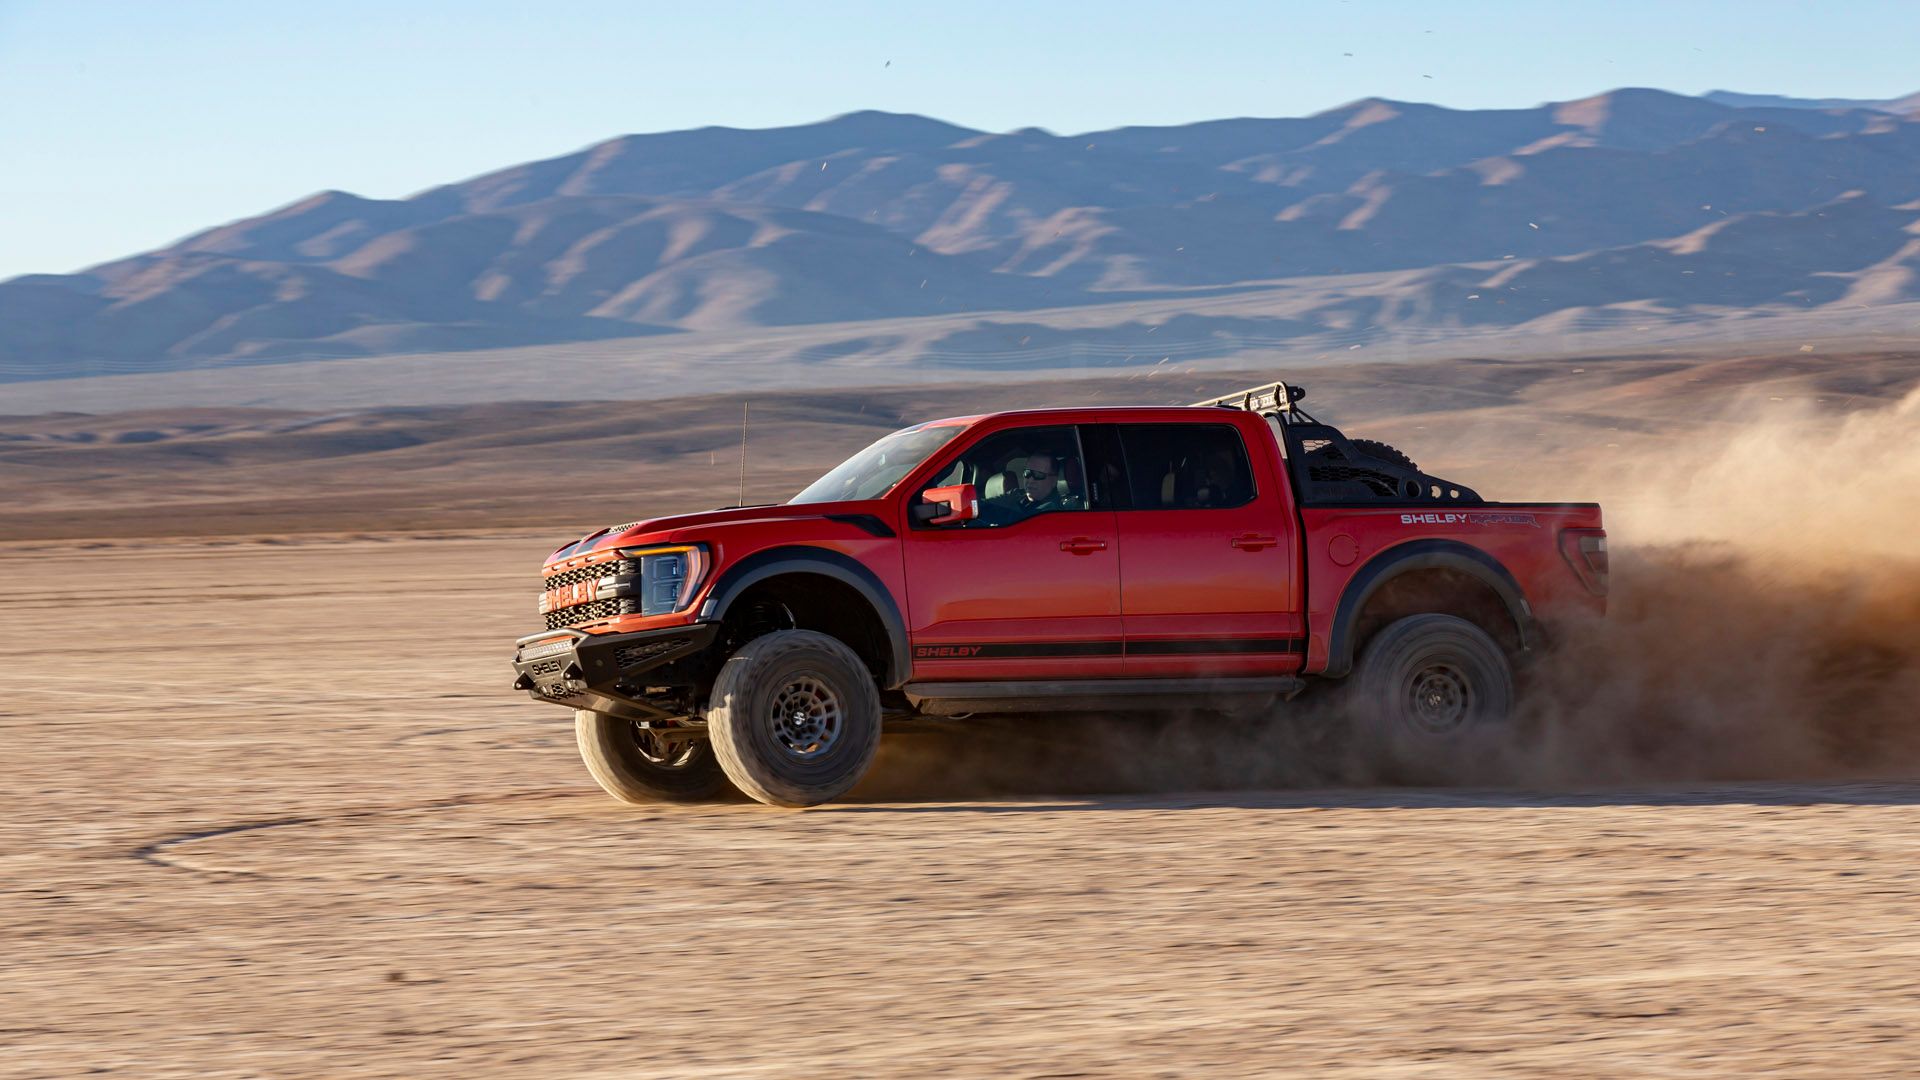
1906,104
875,216
564,269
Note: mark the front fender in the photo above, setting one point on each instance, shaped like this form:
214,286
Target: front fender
805,559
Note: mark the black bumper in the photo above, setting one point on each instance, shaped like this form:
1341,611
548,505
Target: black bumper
605,672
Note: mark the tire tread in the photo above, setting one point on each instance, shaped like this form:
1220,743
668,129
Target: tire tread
733,744
598,737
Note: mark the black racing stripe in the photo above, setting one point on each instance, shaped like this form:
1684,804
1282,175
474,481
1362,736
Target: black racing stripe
1005,650
1216,645
1050,648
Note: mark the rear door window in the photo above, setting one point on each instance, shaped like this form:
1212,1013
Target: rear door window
1186,466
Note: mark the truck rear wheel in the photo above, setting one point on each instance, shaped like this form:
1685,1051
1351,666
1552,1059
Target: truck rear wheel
636,766
795,718
1431,701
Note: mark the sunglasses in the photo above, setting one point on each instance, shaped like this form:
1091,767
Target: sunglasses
1029,474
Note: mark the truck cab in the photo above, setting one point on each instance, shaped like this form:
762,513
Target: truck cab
1228,555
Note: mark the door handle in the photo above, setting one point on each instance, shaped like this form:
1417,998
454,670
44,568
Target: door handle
1252,542
1083,545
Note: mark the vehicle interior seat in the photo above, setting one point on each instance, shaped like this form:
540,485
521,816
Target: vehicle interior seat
1170,485
1072,482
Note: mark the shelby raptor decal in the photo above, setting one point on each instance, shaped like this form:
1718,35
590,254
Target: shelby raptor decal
1470,519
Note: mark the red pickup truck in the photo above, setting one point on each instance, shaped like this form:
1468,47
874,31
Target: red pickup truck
1223,555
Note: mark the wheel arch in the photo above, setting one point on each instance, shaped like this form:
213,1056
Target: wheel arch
799,562
1436,561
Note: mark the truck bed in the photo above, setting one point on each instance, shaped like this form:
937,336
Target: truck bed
1521,539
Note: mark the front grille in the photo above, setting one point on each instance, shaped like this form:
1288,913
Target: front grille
590,611
591,572
594,609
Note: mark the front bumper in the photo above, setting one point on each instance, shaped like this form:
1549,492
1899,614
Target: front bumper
608,673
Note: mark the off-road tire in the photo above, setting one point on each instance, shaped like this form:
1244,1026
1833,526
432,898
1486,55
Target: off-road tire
1431,702
795,718
625,769
1376,449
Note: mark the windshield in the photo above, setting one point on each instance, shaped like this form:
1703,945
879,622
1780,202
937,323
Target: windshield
869,473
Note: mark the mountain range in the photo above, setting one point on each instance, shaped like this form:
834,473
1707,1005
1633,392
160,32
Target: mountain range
1630,202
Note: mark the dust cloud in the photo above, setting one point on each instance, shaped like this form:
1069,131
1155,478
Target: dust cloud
1765,616
1764,623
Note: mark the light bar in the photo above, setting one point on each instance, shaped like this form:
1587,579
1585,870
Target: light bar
1273,397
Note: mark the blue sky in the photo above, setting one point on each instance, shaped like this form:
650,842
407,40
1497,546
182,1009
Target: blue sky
126,125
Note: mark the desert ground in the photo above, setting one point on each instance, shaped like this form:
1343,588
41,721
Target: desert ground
273,810
262,830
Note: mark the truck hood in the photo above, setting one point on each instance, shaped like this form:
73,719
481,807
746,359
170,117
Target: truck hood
680,527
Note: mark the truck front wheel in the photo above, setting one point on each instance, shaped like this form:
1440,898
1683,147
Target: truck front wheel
636,766
1432,701
795,718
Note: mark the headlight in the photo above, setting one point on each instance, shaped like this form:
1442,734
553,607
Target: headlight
659,581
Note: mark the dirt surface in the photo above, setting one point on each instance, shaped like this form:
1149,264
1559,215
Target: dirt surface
273,812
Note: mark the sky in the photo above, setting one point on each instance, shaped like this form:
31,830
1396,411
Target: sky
127,125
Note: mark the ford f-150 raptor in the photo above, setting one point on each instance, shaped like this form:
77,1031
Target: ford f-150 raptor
1222,555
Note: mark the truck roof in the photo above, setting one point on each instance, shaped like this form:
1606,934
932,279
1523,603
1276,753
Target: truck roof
1079,413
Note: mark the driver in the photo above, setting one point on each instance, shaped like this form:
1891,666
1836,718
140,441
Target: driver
1038,490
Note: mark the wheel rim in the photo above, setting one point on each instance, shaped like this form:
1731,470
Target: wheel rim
805,717
1439,699
665,753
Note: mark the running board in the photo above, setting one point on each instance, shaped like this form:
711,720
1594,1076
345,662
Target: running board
1092,695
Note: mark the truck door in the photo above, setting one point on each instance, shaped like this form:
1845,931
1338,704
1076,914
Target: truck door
1209,580
1030,589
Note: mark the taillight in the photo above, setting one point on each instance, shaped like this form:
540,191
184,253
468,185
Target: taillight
1586,551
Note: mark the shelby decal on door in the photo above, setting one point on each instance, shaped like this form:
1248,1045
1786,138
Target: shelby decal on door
929,652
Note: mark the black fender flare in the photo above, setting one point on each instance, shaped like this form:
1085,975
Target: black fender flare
1423,555
824,562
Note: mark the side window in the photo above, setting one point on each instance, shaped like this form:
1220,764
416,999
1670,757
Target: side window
1021,473
1186,466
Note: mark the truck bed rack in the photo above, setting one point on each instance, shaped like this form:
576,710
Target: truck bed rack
1329,468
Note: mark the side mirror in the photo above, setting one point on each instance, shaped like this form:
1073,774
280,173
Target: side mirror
947,505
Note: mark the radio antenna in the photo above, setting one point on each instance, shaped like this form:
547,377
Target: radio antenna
745,413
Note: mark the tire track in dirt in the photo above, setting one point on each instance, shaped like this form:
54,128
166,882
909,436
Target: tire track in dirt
161,853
